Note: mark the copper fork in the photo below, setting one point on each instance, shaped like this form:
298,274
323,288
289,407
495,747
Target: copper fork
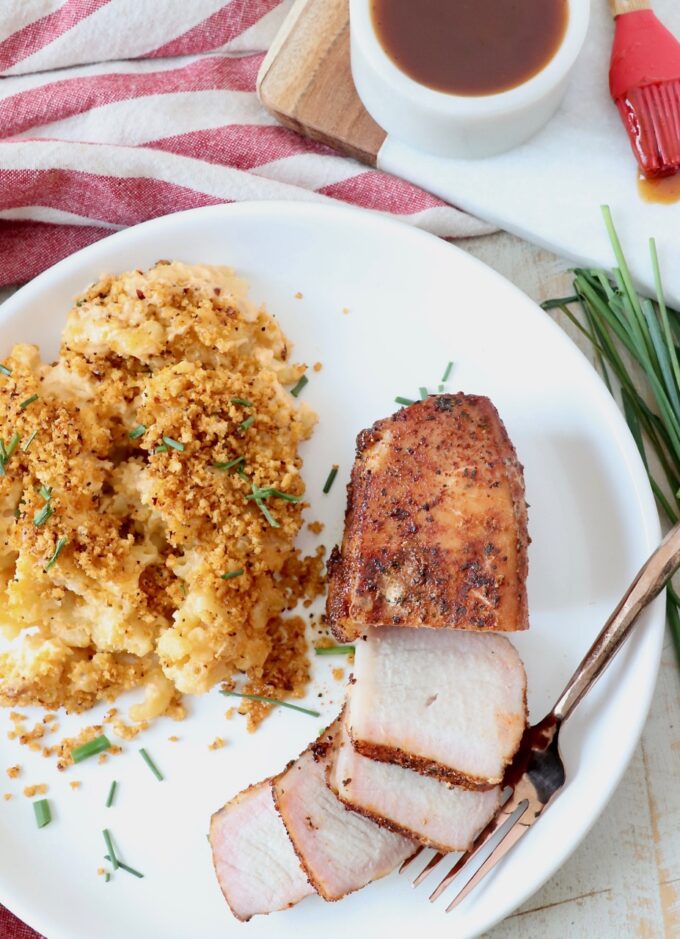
537,773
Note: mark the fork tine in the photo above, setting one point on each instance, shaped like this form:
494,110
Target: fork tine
485,834
431,864
411,857
509,840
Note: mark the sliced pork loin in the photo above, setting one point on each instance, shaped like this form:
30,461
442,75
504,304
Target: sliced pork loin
432,812
256,866
445,703
436,524
340,851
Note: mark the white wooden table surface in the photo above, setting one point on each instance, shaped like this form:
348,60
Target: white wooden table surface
624,880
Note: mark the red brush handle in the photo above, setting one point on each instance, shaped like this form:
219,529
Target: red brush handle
644,53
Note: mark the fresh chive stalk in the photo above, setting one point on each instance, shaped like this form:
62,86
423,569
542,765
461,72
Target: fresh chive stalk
302,381
111,856
25,404
423,392
12,445
248,423
242,401
5,371
112,794
43,813
267,514
330,479
152,766
230,574
137,431
91,748
29,441
275,701
174,444
268,492
447,372
624,327
124,867
334,650
57,551
230,464
41,517
404,401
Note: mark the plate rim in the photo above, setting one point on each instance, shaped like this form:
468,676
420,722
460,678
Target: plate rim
649,517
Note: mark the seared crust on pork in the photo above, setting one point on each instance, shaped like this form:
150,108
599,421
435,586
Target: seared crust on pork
436,524
339,850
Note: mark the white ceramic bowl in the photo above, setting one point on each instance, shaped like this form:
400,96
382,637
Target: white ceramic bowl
457,125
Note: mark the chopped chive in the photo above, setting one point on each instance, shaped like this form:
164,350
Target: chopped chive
171,442
137,431
5,371
130,870
230,464
244,401
12,445
57,551
241,472
249,421
331,479
107,877
111,795
404,401
152,766
440,389
267,514
161,448
41,517
423,392
29,441
447,372
268,492
111,856
45,492
303,380
230,574
283,704
25,404
91,748
3,451
124,867
334,650
43,815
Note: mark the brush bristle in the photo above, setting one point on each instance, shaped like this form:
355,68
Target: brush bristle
651,116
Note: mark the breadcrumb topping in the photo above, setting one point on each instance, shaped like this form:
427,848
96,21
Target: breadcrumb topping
119,514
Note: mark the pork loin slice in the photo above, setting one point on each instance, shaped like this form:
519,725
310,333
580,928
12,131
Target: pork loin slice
432,812
256,866
339,850
436,524
445,703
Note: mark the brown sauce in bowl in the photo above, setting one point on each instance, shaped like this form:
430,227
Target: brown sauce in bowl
470,47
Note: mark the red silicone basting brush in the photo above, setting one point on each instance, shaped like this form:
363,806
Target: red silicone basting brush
644,80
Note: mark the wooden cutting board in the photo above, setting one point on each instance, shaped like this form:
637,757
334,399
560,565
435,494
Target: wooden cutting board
306,82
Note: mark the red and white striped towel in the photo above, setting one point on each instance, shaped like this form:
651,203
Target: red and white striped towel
115,111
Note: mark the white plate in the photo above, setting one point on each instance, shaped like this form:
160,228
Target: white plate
414,303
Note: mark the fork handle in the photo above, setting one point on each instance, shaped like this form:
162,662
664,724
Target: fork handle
649,582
